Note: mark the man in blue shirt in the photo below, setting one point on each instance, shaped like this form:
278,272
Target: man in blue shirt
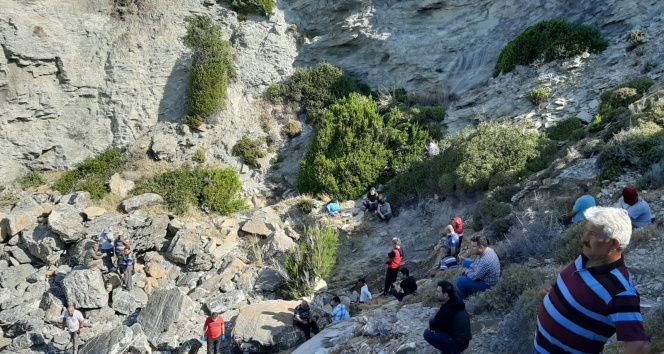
384,211
584,202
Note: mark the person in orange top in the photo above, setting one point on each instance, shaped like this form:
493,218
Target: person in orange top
214,333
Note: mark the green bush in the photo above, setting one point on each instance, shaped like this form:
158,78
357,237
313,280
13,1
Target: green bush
636,38
501,227
570,129
520,323
638,148
600,120
435,130
504,194
91,174
621,97
539,95
571,244
316,88
502,178
33,179
354,146
250,149
314,258
258,7
211,68
514,280
424,113
493,208
216,188
547,149
446,183
292,129
549,40
199,156
306,205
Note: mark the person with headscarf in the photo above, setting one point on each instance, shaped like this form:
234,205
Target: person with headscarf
637,208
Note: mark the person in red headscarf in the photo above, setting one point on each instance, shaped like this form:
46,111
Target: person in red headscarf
637,208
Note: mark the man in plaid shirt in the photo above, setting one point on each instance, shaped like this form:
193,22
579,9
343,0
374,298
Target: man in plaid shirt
481,274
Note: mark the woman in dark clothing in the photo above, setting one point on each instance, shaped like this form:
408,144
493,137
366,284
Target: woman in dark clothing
449,330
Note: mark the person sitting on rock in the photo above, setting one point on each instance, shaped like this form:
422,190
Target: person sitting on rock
371,202
93,258
446,261
333,208
481,274
394,259
107,240
449,331
407,286
365,294
584,202
303,319
384,211
637,208
120,244
452,241
214,332
339,311
73,321
128,271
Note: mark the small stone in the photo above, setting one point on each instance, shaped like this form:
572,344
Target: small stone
641,252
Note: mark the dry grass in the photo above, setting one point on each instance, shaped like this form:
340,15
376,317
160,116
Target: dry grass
640,237
144,168
111,202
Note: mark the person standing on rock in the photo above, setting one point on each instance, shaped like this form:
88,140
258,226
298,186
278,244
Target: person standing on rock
594,297
120,244
93,258
106,240
449,331
73,321
128,271
395,257
303,319
214,333
481,274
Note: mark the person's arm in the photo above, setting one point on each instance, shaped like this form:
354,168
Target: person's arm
223,329
477,270
80,325
64,322
389,210
639,347
205,326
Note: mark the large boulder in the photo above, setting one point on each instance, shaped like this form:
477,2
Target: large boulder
267,327
85,289
66,221
43,244
142,201
120,186
225,301
269,279
184,245
166,318
22,215
13,276
278,243
93,212
148,232
119,341
80,200
263,222
4,227
126,302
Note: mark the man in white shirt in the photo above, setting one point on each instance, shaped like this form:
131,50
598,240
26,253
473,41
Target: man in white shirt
364,291
107,245
73,320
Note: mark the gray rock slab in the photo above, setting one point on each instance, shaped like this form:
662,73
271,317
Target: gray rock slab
126,302
66,221
22,215
142,201
85,289
43,244
225,301
120,340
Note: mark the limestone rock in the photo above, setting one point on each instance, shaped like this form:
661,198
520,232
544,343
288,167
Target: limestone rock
185,244
155,270
163,147
269,279
19,254
225,301
119,341
22,215
278,243
80,200
4,227
66,221
13,276
27,340
267,327
167,310
263,222
120,186
148,231
47,209
142,201
126,302
93,212
43,244
85,289
77,251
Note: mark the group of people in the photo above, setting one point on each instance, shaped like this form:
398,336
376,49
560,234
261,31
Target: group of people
381,208
114,251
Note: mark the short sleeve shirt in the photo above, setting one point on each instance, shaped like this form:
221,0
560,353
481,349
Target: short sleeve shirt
581,205
73,321
107,241
453,242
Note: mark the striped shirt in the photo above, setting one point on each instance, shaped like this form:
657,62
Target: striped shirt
448,262
128,259
486,268
586,307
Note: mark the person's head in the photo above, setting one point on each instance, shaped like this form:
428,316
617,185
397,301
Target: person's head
127,250
372,190
336,301
121,237
443,250
630,195
70,309
449,229
404,272
608,231
95,246
583,188
106,231
214,315
445,290
361,282
305,303
478,244
382,201
396,242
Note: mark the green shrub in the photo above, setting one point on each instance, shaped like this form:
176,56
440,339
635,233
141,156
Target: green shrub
292,129
314,258
570,129
316,88
638,147
520,323
636,38
446,183
258,7
547,150
539,95
435,130
514,280
199,156
654,323
549,40
211,68
502,178
504,194
501,227
653,178
91,174
353,147
306,205
621,97
424,113
250,149
493,208
216,188
600,120
33,179
571,244
640,84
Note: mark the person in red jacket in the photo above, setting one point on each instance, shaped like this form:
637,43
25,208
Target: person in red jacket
393,264
214,333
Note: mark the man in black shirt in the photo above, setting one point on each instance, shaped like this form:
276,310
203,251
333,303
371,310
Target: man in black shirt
303,319
449,331
372,199
407,286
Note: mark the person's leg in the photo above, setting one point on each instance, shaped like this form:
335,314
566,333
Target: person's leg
467,287
217,345
314,327
441,341
388,217
75,341
390,277
210,346
366,204
466,263
128,277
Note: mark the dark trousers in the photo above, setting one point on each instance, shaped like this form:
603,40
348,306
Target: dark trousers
443,342
214,345
108,260
385,217
370,206
129,282
390,277
307,328
397,294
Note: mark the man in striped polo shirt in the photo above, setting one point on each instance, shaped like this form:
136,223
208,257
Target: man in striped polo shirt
594,297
